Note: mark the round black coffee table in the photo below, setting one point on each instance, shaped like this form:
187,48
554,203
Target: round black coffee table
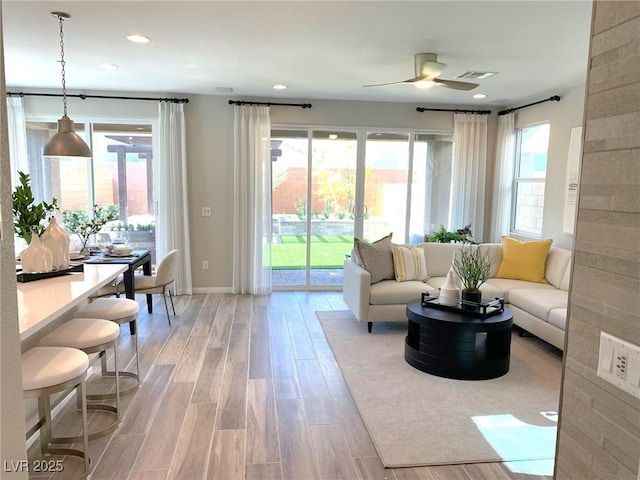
458,345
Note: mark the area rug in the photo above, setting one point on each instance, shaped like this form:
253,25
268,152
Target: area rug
417,419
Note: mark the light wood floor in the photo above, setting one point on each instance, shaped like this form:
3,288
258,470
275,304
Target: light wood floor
240,387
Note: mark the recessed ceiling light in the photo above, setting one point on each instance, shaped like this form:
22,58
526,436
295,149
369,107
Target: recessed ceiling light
480,95
279,86
137,38
108,66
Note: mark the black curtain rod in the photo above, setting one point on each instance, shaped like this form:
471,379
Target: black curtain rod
555,98
84,97
270,104
479,112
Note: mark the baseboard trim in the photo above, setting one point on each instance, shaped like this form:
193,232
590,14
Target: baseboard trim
212,290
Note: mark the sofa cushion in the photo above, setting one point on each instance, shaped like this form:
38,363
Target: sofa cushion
566,278
557,264
524,260
538,302
558,318
409,263
390,292
501,287
495,253
376,258
439,257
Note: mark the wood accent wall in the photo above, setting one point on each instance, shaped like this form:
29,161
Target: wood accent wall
599,434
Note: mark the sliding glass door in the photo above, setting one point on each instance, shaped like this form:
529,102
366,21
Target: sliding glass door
313,175
386,185
330,185
332,194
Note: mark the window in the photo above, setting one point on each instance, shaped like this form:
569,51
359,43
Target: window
529,183
120,173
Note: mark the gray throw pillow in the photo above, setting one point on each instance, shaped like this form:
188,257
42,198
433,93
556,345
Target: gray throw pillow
376,258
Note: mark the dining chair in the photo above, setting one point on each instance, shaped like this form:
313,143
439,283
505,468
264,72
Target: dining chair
160,283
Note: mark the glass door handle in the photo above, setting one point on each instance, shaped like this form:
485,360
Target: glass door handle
359,210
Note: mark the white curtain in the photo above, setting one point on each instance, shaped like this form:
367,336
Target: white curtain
469,170
252,201
170,176
503,179
18,154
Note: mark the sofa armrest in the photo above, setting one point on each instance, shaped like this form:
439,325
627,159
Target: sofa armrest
355,289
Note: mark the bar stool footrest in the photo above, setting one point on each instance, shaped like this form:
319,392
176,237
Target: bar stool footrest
92,435
123,391
65,451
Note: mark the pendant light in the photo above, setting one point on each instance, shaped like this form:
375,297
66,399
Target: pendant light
66,142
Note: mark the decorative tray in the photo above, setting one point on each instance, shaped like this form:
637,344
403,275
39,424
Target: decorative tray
483,309
30,277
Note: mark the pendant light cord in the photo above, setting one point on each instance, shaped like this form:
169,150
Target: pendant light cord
62,62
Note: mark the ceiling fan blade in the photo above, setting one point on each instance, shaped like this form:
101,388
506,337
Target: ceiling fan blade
411,80
455,84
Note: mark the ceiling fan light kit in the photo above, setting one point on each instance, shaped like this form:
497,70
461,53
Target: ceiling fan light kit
65,142
427,71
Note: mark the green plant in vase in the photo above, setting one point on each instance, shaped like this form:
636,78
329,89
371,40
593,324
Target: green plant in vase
28,215
443,236
86,223
473,267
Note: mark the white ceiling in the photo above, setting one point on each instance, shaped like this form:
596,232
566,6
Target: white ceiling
320,49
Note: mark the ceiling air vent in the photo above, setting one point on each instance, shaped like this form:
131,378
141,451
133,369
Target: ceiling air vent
476,75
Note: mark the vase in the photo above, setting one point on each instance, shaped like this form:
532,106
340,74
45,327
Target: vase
470,300
36,258
449,292
57,240
84,249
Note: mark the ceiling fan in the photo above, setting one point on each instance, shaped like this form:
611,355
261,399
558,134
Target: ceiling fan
427,71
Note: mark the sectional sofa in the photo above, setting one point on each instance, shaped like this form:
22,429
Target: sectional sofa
539,306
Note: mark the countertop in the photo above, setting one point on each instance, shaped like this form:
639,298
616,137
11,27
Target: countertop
43,301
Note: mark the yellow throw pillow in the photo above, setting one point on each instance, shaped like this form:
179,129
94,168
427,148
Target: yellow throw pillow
409,263
524,260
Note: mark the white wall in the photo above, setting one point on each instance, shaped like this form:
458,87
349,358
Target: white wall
210,155
12,428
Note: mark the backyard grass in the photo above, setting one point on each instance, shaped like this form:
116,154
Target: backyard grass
327,251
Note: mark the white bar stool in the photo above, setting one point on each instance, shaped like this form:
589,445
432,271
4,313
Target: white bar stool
91,335
47,370
120,311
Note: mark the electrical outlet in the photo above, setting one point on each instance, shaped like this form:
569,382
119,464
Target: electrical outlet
621,366
205,264
619,363
206,211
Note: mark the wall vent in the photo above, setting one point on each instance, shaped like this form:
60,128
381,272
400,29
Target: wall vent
475,75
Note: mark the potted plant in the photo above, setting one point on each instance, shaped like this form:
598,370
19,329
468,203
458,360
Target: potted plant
473,267
444,236
84,223
28,215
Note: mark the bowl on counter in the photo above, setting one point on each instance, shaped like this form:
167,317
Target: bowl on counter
119,250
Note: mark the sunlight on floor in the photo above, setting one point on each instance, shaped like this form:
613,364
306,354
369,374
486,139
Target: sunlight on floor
512,438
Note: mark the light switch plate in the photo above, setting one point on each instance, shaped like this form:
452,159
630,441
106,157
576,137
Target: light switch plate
619,363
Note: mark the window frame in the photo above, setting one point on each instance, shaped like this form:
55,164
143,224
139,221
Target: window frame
87,121
519,180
